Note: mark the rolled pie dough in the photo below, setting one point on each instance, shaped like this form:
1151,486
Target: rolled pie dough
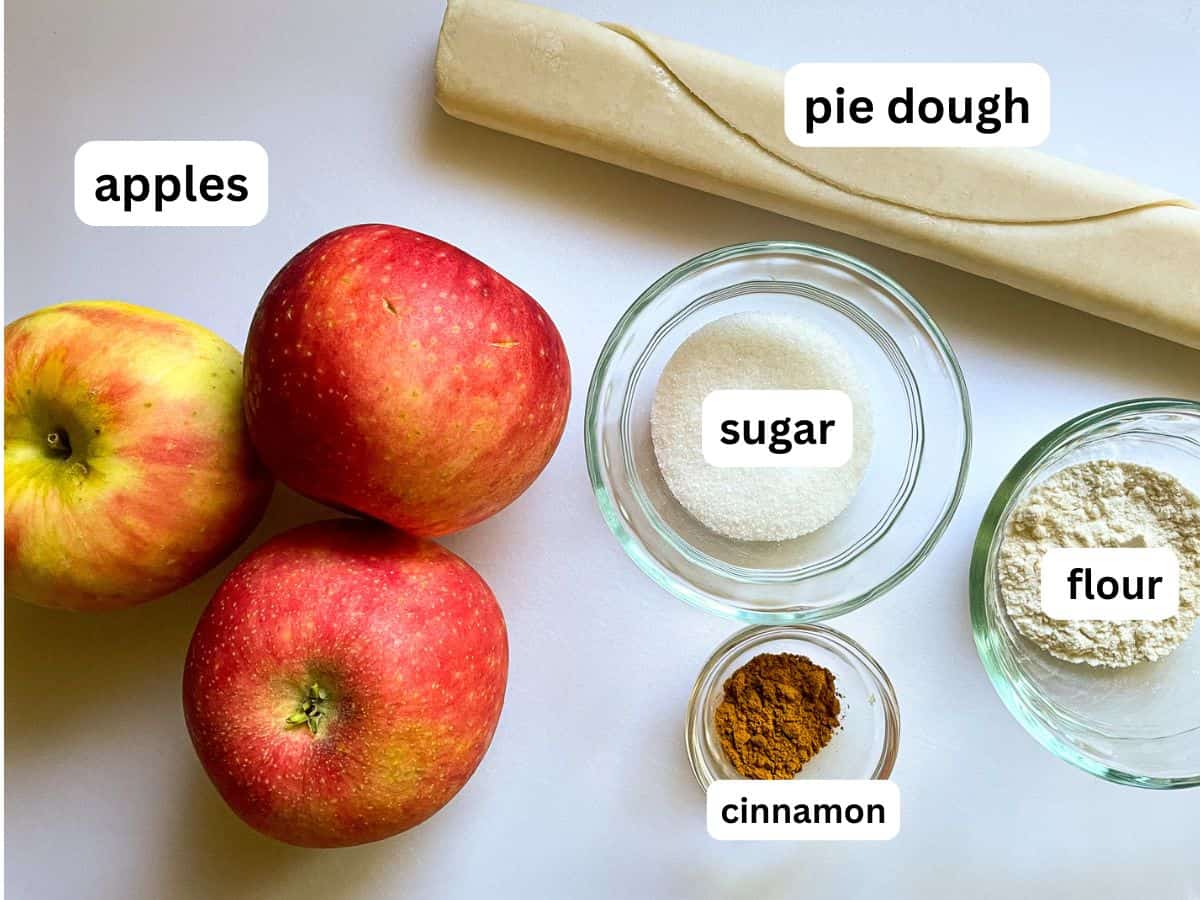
1092,241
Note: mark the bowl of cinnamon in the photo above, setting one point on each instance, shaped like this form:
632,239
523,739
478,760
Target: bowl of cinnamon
792,701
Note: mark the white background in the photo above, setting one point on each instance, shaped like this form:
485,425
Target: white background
586,791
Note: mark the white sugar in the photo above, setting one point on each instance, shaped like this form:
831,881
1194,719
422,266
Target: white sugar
755,351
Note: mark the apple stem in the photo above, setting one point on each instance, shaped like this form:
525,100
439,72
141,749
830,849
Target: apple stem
311,710
59,443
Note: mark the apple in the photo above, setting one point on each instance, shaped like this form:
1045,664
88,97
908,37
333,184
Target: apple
128,471
345,682
389,373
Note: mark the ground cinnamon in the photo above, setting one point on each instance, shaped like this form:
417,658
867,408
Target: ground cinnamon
779,709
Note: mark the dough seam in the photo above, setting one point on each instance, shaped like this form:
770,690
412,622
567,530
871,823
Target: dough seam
635,39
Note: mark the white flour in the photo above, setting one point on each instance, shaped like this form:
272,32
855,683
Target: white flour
1102,503
767,352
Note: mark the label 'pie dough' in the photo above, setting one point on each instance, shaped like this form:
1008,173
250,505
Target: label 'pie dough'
1092,241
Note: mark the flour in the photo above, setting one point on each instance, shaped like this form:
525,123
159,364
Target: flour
1102,503
755,351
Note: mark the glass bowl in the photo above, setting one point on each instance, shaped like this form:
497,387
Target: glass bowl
863,747
1139,725
918,463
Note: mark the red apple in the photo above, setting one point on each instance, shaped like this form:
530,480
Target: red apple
390,373
344,682
128,470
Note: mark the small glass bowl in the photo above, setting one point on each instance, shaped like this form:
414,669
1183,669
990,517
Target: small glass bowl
918,464
1140,725
863,747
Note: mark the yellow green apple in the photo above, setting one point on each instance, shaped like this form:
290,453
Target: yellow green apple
127,466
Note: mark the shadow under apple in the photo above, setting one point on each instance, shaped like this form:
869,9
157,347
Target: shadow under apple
215,854
57,663
69,676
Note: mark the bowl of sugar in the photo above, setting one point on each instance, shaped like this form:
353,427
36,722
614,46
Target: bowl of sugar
777,432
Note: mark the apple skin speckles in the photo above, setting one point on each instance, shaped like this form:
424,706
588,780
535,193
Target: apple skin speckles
390,373
407,644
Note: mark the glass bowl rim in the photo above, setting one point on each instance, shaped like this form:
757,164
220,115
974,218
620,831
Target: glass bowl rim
678,586
756,634
978,579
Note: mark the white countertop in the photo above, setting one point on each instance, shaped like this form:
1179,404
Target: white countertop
586,791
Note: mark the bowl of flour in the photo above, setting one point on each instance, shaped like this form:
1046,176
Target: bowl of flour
1117,698
775,545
